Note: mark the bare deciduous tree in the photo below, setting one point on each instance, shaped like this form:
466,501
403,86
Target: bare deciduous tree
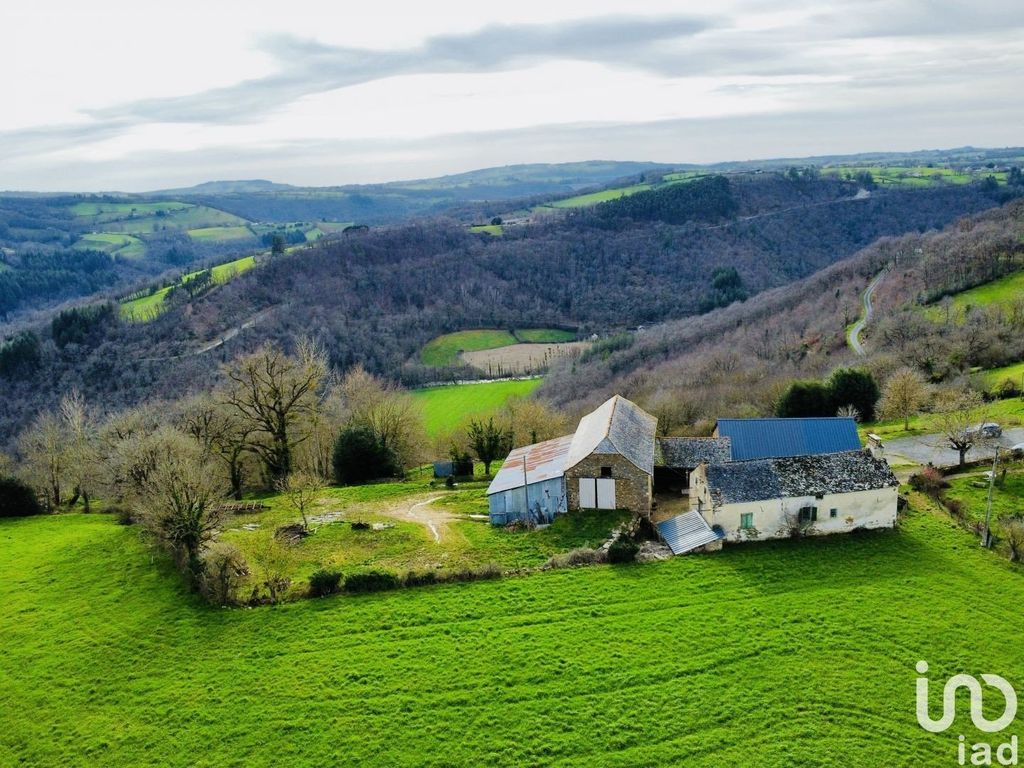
44,452
82,450
1013,535
394,418
531,421
903,395
959,412
302,489
272,392
181,501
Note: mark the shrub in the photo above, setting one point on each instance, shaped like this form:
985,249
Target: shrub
929,481
360,457
359,525
623,549
224,571
122,514
955,507
425,579
17,499
371,581
575,557
481,573
323,582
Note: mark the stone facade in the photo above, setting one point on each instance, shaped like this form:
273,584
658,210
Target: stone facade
633,486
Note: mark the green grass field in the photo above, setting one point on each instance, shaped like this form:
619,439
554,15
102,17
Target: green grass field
993,378
913,176
409,545
772,655
444,350
145,308
220,234
1007,495
490,229
121,210
447,407
183,219
123,246
545,335
593,198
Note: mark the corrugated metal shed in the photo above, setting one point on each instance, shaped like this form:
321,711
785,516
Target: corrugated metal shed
544,461
769,438
686,532
618,426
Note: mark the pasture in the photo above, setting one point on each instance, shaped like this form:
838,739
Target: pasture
118,245
770,654
913,176
593,198
523,359
146,307
490,229
993,378
447,407
444,350
221,234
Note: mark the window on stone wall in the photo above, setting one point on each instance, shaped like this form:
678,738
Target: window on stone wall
833,512
746,520
606,471
808,514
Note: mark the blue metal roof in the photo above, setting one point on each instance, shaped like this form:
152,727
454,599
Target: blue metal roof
770,438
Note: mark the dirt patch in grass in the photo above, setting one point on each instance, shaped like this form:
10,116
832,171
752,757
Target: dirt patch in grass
522,359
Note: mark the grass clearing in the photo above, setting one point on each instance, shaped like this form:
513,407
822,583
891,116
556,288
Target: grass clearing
993,378
771,654
448,406
220,234
490,229
444,350
1007,494
593,198
145,308
119,245
545,335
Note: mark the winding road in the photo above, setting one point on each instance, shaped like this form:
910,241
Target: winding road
853,339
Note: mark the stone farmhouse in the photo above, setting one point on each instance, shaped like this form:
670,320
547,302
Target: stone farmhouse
753,478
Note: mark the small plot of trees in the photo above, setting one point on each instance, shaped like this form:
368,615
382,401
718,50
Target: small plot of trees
852,391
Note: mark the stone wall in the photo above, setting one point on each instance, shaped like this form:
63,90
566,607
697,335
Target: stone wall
632,485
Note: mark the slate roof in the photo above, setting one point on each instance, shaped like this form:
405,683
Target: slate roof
794,476
618,426
767,438
689,452
543,462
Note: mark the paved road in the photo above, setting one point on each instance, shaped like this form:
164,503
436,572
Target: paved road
934,448
865,318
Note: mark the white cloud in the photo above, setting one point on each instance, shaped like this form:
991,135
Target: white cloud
119,94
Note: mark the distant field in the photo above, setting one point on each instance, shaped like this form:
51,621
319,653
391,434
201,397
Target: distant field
913,176
774,654
220,234
520,359
1003,291
490,229
991,379
121,210
448,406
593,198
545,335
146,308
124,246
444,350
192,217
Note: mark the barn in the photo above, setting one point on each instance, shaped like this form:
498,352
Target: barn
607,463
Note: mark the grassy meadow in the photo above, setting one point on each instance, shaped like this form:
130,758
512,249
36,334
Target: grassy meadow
913,176
118,245
145,308
444,350
489,229
221,234
446,407
1008,412
772,654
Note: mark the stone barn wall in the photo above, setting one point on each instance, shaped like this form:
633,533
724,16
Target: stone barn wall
632,484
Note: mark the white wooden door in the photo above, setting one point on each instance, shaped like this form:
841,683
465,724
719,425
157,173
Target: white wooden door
588,493
605,493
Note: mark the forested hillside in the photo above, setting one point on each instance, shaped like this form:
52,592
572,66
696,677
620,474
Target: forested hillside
738,360
377,297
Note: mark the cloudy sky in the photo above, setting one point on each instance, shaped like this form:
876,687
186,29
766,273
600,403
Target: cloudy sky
133,95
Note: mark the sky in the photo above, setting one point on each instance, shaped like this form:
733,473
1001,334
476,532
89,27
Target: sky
134,96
